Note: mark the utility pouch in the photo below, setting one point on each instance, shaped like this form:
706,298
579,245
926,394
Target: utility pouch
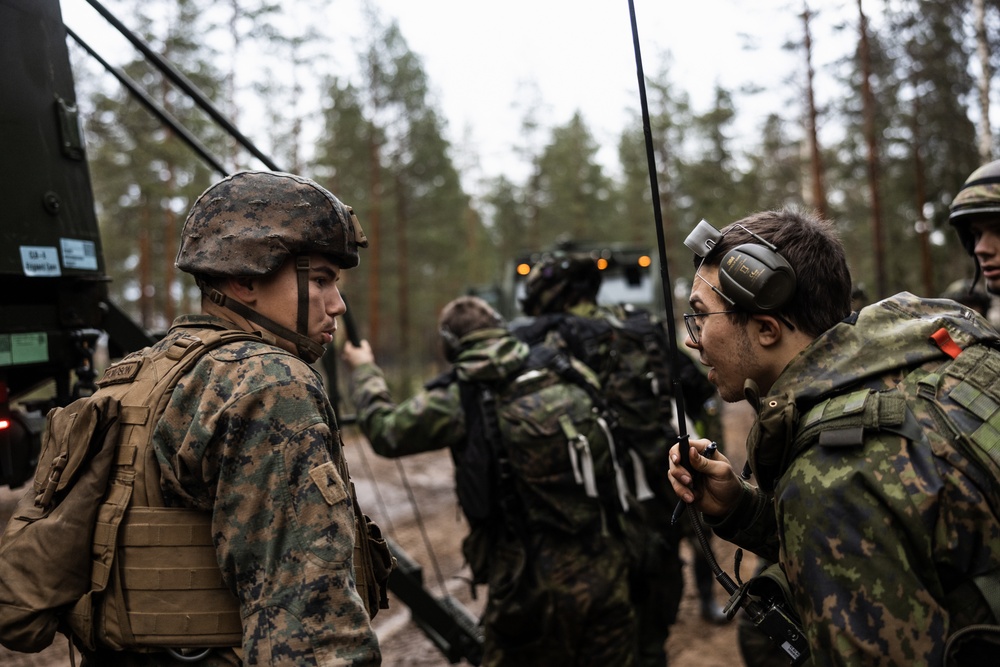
373,562
44,552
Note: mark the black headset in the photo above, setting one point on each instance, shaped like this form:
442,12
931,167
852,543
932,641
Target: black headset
753,276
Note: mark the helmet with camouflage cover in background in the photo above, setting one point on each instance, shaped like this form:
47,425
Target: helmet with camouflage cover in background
979,197
251,223
558,281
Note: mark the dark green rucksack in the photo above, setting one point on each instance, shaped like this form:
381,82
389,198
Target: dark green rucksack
538,462
539,453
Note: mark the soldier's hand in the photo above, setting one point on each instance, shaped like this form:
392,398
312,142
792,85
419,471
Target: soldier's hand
356,355
716,488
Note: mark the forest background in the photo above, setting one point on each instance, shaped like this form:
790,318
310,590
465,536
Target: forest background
883,157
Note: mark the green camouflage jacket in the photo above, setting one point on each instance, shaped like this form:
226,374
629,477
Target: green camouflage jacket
879,530
250,435
530,405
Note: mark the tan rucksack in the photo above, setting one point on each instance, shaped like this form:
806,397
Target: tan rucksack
93,526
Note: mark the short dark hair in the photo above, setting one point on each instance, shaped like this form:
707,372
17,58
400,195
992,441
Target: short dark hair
823,286
466,314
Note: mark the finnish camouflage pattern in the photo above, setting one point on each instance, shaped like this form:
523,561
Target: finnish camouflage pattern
878,541
592,621
250,435
584,563
529,413
631,388
249,223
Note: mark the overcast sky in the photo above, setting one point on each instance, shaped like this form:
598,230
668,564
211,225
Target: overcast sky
488,60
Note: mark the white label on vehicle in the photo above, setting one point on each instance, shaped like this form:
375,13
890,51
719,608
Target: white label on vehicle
79,254
40,261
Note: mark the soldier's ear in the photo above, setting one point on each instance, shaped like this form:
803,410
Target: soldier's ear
767,329
242,288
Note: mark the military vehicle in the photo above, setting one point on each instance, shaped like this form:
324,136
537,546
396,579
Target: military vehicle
55,304
630,274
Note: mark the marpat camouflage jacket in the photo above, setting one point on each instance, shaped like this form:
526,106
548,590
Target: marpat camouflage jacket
878,539
250,435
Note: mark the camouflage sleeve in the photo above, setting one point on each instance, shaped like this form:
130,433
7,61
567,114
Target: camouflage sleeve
432,419
874,539
261,445
751,524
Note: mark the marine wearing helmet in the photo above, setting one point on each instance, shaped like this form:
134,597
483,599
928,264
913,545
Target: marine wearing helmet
251,223
975,215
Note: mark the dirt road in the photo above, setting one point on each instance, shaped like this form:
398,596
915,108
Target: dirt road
414,503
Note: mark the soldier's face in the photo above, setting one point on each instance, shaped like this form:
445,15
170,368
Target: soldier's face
277,297
986,234
723,345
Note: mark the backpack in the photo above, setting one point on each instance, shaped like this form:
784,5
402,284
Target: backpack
538,458
94,518
538,455
121,570
627,348
957,399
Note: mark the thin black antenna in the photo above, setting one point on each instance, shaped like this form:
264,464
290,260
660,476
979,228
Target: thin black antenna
668,301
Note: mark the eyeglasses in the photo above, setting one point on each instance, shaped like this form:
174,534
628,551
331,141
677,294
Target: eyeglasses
694,329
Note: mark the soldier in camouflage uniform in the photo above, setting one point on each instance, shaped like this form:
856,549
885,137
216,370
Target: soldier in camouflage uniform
563,286
881,528
249,434
975,214
579,592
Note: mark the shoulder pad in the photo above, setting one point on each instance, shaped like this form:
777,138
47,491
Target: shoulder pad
843,421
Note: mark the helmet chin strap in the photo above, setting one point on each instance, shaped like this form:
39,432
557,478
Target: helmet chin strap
308,349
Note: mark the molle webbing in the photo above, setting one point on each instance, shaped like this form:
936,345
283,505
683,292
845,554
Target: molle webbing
155,578
965,394
843,420
977,368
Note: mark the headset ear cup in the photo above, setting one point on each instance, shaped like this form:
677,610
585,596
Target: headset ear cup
756,278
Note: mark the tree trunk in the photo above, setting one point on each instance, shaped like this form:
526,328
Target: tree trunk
872,143
985,75
923,225
812,114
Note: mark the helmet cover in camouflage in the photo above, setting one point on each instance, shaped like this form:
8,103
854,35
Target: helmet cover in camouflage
557,281
979,196
251,222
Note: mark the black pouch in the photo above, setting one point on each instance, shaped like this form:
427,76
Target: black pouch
973,646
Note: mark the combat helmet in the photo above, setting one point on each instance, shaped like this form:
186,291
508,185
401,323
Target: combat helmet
251,223
979,196
558,281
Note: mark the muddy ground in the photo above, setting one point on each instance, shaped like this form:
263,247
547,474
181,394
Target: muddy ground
414,503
